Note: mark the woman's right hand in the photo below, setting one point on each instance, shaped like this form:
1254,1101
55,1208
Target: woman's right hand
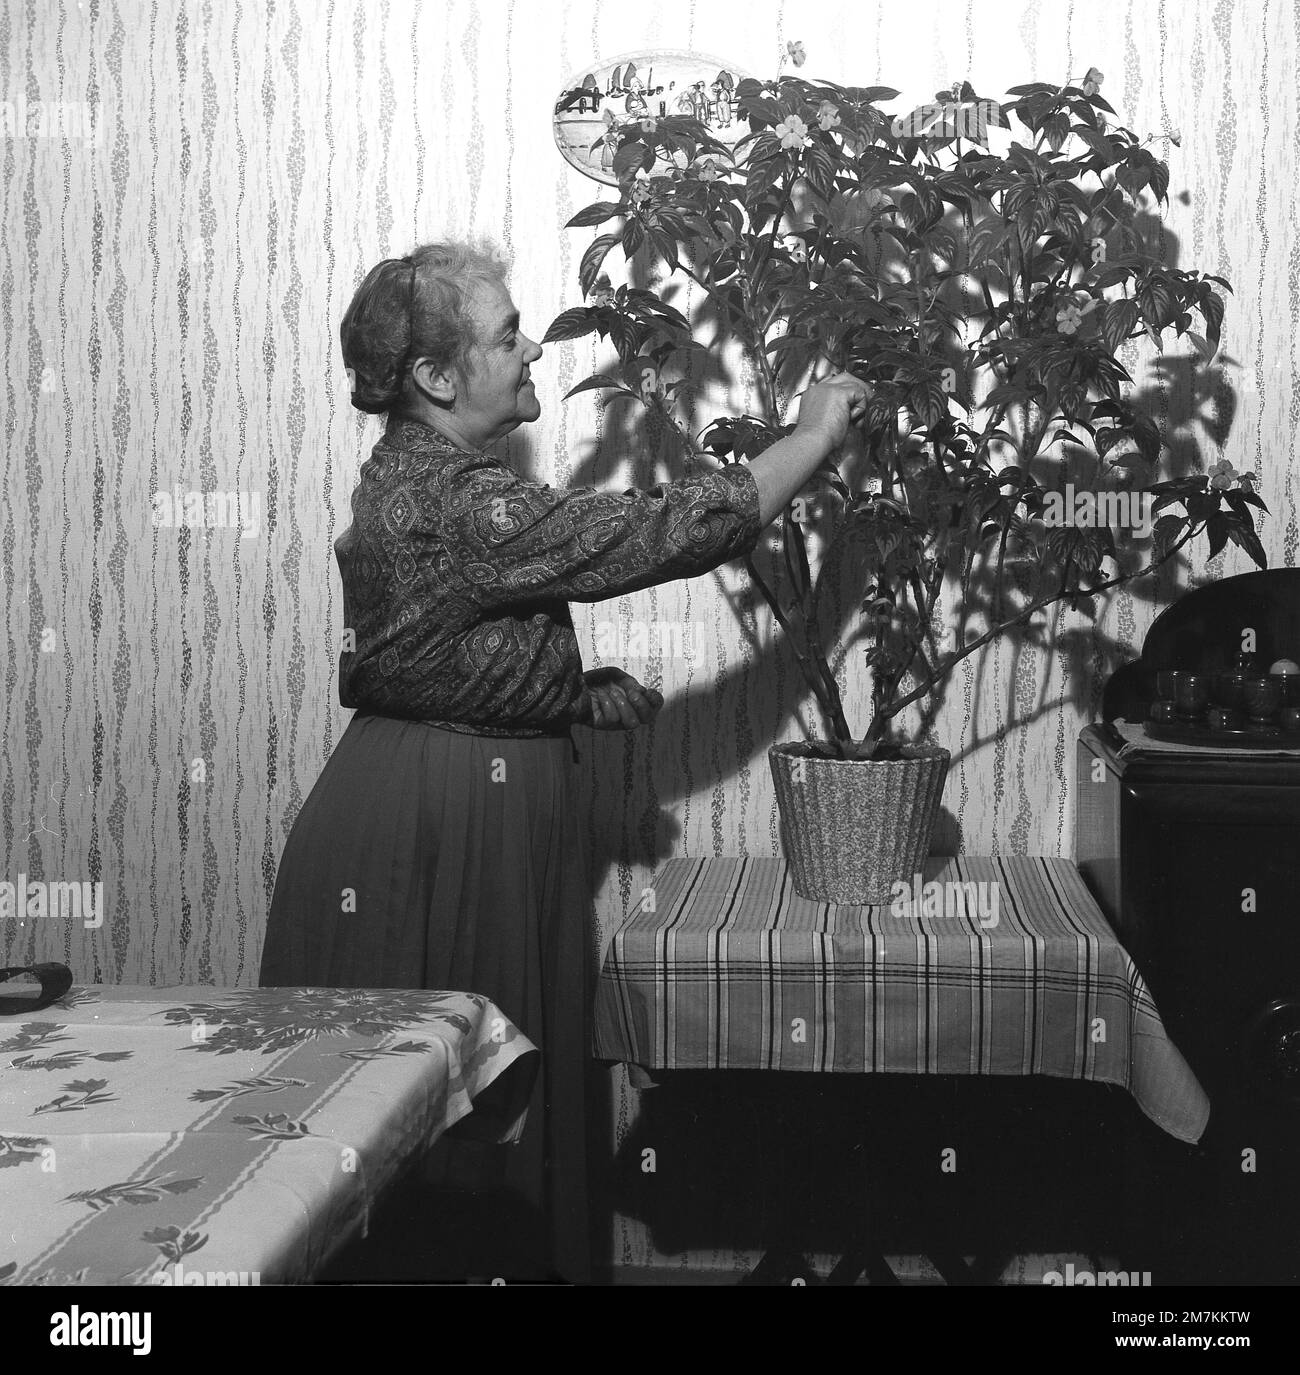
831,405
825,414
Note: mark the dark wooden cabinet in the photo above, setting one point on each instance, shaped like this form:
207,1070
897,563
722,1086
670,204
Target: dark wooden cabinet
1195,861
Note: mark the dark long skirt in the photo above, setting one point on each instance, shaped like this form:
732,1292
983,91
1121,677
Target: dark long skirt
470,873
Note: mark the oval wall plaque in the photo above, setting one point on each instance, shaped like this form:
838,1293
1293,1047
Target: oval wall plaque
598,100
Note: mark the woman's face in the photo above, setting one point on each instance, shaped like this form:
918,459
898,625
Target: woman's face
498,394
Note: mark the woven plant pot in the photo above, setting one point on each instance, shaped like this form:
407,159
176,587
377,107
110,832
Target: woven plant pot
851,828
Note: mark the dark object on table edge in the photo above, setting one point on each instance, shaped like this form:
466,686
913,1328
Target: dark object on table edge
55,980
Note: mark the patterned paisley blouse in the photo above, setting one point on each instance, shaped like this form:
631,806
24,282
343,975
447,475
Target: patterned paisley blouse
456,573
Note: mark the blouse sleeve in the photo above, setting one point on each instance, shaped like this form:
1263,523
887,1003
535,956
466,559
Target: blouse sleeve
517,541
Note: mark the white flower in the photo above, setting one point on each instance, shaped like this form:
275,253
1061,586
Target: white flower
1222,475
796,53
707,170
828,117
792,132
796,247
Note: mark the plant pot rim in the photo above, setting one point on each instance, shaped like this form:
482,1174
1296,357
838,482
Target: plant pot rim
804,749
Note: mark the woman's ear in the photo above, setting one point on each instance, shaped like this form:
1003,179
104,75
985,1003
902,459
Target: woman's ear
439,386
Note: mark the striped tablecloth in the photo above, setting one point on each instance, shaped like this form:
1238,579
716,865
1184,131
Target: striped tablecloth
204,1136
723,966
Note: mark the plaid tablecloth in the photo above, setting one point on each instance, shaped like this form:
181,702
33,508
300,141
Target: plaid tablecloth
197,1135
724,966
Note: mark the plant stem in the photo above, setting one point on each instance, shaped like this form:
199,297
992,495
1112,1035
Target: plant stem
731,319
760,339
928,686
812,664
833,702
769,383
814,674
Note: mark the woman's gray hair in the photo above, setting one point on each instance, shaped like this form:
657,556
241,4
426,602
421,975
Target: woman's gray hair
410,308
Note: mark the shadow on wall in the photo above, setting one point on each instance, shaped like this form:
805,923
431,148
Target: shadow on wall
1195,406
749,1140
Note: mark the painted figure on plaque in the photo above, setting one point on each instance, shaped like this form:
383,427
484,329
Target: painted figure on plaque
721,105
609,144
603,99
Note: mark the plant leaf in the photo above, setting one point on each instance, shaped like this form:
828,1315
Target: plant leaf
570,324
597,213
594,383
633,237
1217,530
1118,321
632,157
1245,538
592,259
1211,308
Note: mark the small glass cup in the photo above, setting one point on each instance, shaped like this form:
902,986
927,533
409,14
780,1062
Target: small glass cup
1263,696
1223,718
1163,711
1289,718
1228,687
1290,685
1191,694
1166,682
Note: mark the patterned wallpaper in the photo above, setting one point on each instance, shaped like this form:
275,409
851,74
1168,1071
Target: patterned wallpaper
191,190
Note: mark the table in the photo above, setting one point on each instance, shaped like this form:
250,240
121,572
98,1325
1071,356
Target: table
240,1136
733,970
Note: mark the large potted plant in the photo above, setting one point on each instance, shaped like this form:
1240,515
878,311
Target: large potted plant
984,294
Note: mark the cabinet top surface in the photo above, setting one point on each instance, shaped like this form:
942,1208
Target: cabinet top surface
1103,740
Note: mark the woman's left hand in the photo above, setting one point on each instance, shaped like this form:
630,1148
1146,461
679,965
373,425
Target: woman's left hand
618,701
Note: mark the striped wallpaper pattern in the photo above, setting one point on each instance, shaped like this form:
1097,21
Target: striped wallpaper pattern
194,192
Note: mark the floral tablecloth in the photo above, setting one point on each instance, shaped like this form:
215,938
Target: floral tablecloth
199,1135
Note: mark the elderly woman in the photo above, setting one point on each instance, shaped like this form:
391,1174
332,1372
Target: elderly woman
443,846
